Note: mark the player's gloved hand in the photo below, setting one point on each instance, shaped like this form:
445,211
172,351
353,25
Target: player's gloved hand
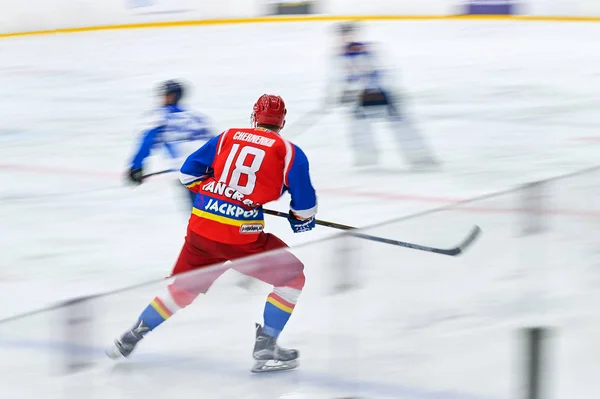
301,225
135,175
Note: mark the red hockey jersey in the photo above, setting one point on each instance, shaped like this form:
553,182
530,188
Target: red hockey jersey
238,171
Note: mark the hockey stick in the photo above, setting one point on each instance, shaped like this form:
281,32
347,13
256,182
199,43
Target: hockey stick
475,232
160,172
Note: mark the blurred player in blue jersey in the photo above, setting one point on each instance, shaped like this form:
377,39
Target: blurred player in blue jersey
177,130
360,84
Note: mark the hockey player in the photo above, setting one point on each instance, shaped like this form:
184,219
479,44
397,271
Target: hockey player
359,83
232,176
173,127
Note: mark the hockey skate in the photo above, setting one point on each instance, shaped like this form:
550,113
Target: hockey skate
269,356
423,161
124,345
425,165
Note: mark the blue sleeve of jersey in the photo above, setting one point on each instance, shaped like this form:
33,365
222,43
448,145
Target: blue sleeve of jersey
304,197
198,165
146,144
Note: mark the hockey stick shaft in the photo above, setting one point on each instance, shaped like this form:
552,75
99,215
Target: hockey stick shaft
161,172
319,222
475,232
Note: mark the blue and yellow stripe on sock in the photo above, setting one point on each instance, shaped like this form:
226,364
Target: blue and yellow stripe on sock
277,313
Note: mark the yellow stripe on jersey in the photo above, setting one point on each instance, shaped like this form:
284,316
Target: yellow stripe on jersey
223,219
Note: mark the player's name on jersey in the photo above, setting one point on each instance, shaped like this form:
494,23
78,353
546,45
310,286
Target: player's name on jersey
220,188
254,139
232,210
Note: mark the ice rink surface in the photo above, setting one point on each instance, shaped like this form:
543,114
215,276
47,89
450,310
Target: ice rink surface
501,103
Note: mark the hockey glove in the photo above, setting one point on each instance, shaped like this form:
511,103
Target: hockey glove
301,225
136,176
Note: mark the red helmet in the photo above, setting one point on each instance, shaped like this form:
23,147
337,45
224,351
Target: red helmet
269,110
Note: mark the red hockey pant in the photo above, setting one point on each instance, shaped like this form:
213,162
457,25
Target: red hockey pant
266,259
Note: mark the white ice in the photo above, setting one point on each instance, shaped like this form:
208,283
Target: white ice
500,103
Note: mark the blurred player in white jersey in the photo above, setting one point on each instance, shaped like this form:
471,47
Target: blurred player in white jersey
177,130
360,84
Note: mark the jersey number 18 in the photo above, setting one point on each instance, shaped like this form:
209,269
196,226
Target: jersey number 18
243,177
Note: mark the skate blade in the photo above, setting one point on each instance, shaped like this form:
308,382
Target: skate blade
114,353
266,366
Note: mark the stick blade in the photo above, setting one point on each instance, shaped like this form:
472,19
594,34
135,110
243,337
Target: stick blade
473,235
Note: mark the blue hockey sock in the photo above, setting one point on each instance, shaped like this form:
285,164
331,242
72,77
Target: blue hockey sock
276,315
155,314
